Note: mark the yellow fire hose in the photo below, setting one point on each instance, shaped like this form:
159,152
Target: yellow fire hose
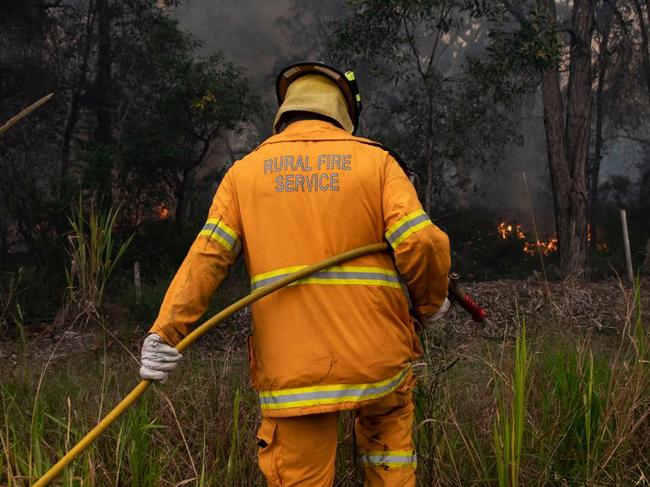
53,472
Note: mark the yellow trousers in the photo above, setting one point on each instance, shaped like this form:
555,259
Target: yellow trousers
301,450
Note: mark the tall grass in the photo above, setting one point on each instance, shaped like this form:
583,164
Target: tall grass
11,314
541,411
508,426
578,414
93,255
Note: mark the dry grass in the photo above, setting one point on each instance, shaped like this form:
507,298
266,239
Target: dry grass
584,420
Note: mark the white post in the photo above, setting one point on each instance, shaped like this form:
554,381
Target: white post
626,245
138,285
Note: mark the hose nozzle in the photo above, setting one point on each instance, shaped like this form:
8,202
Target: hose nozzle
465,301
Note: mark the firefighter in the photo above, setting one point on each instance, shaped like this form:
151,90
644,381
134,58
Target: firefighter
342,339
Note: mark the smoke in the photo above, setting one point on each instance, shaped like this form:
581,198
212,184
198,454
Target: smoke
248,33
258,35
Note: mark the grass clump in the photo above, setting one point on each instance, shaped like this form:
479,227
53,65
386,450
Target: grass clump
93,255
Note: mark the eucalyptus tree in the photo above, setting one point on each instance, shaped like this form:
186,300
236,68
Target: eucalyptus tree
426,99
583,53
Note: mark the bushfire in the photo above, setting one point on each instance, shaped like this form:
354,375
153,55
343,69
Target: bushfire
161,212
546,247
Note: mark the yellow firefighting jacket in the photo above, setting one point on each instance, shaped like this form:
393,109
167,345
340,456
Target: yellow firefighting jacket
343,336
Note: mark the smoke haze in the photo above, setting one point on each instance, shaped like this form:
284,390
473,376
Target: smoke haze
254,34
248,32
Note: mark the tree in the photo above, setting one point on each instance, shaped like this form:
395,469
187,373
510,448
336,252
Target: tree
568,138
28,72
135,116
561,55
425,100
83,46
179,105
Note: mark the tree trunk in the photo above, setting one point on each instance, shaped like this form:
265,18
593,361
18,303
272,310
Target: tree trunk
568,141
578,128
181,197
645,268
103,88
645,53
180,205
75,105
556,153
428,200
603,65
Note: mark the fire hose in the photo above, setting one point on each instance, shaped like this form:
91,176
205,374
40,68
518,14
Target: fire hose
455,294
465,301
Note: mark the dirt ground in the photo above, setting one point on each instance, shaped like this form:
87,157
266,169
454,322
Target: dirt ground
574,305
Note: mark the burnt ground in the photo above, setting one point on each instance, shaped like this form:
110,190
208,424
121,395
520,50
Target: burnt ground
600,309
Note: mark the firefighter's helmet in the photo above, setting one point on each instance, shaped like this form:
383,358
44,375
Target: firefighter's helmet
346,82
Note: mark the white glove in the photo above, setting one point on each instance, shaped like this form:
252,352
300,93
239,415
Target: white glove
428,322
157,358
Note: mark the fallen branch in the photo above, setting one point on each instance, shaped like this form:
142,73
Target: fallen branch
13,120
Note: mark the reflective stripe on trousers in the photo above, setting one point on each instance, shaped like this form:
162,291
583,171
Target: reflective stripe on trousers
342,275
330,394
393,459
300,451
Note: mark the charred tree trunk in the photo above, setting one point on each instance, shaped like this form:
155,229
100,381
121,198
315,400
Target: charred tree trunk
428,200
103,89
180,205
75,105
578,129
603,65
568,139
556,150
181,197
645,268
641,13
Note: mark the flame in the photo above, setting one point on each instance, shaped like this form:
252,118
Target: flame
161,211
546,247
507,230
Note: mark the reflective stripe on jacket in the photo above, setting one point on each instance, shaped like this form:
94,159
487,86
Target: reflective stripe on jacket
343,336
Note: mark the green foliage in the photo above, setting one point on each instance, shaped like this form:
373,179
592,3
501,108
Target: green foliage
98,166
166,105
609,235
141,451
93,255
575,401
11,313
518,50
535,45
36,300
232,467
480,253
430,107
182,104
508,427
